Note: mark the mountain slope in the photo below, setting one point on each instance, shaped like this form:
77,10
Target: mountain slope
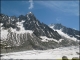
27,31
40,29
67,32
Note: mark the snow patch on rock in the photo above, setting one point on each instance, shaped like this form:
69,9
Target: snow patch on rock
46,39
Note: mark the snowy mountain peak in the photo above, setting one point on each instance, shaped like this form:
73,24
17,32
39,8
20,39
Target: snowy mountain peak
28,29
30,13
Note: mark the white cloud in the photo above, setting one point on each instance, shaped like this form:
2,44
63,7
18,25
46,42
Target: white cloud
71,7
58,19
31,4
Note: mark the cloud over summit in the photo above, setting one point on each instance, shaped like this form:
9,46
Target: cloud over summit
31,4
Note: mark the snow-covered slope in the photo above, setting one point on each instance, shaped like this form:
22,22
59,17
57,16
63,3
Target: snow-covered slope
4,32
57,53
46,39
22,30
66,35
60,30
14,37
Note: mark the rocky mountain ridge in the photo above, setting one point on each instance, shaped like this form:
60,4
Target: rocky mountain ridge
27,31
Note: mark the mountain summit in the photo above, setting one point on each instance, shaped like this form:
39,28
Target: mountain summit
40,29
27,31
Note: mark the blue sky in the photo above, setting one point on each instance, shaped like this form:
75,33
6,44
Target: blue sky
64,12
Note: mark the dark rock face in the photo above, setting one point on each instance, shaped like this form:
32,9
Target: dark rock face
8,21
40,29
71,32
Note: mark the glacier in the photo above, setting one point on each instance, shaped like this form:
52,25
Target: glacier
57,53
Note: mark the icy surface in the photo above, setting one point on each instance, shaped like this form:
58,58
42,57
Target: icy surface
44,54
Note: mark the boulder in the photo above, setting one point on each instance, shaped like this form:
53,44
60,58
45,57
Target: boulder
64,58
